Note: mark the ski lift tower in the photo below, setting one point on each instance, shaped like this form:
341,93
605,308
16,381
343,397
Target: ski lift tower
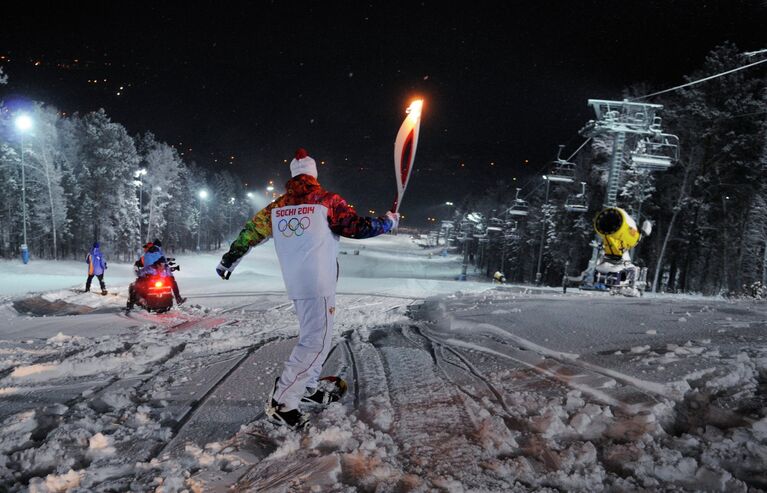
619,119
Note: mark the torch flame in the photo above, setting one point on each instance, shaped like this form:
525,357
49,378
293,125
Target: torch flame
158,284
414,110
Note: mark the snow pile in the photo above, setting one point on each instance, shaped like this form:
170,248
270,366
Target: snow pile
55,483
475,395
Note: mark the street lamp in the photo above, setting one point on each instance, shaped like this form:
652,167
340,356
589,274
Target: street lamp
203,194
23,125
140,184
230,212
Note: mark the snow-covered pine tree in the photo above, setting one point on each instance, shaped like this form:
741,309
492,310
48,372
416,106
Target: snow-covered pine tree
10,195
720,124
47,203
223,205
163,166
108,202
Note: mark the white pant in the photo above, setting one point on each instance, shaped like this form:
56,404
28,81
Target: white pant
304,366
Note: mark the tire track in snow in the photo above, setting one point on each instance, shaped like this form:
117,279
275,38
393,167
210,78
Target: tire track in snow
466,366
353,363
605,386
432,422
200,403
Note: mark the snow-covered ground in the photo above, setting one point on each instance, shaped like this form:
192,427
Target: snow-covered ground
454,386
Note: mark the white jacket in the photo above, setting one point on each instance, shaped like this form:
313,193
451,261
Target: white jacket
307,250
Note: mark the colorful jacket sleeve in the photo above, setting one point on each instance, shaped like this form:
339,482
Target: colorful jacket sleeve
345,222
256,230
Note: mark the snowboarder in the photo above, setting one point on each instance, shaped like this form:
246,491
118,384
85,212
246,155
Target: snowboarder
306,223
96,267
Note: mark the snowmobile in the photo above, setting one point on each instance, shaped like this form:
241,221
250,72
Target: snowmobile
154,292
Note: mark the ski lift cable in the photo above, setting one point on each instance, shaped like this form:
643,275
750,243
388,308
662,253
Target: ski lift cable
737,69
579,149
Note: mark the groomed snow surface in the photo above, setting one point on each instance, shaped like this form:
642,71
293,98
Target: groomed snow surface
453,386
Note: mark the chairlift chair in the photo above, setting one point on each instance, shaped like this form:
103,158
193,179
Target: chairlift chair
496,221
520,206
577,203
511,231
563,170
656,154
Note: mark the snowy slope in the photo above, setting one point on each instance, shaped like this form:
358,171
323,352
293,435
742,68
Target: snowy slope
453,386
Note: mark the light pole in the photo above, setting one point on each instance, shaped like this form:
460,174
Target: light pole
140,184
203,194
23,125
543,233
465,225
232,200
442,227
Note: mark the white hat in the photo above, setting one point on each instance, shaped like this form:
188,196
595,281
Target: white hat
303,164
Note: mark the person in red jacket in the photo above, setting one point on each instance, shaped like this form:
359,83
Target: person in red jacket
306,223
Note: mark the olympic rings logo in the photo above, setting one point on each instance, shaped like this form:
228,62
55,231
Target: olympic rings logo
294,226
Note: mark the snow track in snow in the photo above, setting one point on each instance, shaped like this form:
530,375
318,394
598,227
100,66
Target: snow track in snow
431,421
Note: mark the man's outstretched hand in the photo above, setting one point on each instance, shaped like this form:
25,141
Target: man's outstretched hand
394,218
224,271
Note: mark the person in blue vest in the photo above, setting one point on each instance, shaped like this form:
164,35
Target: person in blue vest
97,264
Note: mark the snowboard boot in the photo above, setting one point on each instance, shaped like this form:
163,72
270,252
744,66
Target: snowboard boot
292,418
104,292
180,300
329,389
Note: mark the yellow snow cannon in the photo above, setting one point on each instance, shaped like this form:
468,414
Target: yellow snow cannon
618,231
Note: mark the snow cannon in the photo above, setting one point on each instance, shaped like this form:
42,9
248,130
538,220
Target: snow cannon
617,230
614,271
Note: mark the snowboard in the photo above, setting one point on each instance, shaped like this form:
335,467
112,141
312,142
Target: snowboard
81,291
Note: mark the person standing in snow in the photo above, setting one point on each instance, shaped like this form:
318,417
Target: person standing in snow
96,267
306,223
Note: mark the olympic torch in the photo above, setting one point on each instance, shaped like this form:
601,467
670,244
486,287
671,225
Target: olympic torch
404,149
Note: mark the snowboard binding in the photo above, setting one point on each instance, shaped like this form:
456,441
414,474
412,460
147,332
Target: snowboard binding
329,389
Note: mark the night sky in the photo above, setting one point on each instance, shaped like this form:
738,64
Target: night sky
240,86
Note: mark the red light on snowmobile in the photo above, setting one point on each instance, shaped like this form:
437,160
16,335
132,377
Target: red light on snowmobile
158,284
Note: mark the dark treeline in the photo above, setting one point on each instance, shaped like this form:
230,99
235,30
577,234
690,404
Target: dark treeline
709,210
83,184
